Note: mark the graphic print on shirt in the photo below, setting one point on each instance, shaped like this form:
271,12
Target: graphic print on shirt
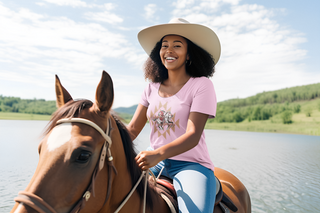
162,120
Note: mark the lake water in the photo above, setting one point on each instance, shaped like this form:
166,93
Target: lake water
280,171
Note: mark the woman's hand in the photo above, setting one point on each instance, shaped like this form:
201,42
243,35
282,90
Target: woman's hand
147,159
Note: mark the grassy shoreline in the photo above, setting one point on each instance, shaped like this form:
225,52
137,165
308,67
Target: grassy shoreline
267,126
23,116
301,123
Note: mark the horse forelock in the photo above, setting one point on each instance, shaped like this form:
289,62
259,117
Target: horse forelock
72,109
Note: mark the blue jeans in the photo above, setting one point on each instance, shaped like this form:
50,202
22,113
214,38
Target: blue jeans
194,184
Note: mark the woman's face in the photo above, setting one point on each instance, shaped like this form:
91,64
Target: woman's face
173,52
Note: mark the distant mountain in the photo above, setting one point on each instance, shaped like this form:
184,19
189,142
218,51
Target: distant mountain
126,110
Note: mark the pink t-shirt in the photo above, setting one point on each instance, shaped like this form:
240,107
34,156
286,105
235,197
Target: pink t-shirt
168,116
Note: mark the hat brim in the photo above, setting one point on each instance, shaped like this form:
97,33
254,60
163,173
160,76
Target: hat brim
198,34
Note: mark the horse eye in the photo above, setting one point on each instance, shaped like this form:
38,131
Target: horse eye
83,157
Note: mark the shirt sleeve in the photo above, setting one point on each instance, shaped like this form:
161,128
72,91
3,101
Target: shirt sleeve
204,99
144,97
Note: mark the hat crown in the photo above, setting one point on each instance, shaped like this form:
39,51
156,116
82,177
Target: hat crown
178,21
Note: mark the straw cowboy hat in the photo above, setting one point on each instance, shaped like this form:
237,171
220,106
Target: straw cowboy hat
198,34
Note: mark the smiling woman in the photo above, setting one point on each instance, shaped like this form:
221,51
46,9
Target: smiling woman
177,102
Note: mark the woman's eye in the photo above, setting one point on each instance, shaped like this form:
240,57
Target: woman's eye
83,157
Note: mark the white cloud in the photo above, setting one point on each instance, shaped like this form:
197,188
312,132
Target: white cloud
181,4
39,46
150,10
105,16
72,3
77,3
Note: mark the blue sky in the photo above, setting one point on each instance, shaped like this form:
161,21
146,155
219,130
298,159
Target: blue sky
266,45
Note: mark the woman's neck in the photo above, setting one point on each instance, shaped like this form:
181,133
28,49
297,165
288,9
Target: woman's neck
176,79
172,85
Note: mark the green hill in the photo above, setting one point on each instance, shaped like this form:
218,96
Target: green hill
127,110
265,105
290,110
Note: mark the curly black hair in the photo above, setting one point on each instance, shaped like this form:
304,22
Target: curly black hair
200,63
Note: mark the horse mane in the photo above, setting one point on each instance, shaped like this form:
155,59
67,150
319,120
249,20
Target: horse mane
73,108
130,154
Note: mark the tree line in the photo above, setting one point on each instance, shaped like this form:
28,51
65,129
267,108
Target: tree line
262,106
30,106
293,94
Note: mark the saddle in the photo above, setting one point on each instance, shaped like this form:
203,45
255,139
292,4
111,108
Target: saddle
168,193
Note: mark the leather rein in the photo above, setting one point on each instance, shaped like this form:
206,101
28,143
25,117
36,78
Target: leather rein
38,204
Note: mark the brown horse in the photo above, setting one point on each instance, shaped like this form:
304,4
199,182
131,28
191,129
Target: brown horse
86,163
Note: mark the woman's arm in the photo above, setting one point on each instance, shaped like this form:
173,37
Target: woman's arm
185,142
138,121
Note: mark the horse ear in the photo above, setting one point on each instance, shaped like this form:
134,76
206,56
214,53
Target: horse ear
104,93
62,95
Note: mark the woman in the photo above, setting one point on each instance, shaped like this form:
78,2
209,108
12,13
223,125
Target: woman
177,103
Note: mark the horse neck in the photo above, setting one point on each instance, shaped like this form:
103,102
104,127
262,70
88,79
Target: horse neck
123,183
122,186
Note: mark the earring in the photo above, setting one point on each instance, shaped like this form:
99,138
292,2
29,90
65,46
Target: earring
190,62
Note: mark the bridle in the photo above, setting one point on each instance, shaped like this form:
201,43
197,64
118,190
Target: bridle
41,206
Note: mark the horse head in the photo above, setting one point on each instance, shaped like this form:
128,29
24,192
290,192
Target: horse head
72,155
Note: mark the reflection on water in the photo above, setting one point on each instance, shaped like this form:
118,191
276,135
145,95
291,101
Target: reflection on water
280,171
